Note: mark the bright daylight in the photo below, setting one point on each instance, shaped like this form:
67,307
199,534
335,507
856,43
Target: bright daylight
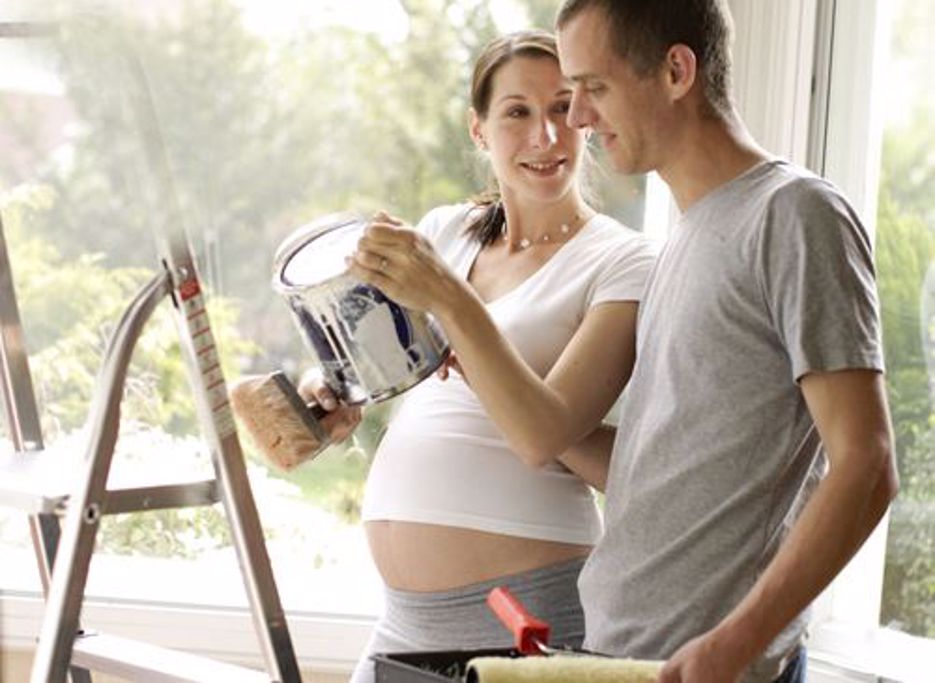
343,340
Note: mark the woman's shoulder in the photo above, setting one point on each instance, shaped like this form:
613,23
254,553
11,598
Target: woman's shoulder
609,235
620,260
445,221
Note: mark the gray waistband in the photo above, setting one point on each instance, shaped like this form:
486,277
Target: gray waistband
461,619
534,580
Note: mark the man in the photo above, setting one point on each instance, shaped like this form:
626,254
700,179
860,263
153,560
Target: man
758,344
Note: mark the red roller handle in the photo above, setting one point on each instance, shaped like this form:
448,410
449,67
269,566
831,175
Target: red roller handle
529,633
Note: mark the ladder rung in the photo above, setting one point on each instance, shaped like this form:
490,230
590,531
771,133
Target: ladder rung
146,663
160,497
39,484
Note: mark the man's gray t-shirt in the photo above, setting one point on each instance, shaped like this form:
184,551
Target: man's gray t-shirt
766,279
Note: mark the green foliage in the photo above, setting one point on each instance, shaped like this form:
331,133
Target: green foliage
905,250
260,137
908,172
69,308
909,582
166,533
905,257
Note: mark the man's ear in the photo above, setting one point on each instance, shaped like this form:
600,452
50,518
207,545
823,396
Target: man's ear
681,70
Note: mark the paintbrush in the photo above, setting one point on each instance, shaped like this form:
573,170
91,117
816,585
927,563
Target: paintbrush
285,428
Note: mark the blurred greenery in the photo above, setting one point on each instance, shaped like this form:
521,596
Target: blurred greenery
69,308
905,256
264,134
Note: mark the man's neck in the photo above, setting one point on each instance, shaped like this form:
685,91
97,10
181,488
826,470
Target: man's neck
709,153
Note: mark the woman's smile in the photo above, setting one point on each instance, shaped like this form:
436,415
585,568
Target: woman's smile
545,168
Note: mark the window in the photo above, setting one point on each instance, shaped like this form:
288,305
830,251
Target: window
273,114
906,262
877,145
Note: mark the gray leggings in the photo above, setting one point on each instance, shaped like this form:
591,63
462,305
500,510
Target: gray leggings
459,619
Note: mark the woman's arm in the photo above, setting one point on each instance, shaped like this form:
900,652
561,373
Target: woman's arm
590,457
540,418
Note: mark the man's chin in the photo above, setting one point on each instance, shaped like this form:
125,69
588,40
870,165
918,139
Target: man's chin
621,166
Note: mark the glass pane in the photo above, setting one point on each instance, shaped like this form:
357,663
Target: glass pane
906,269
23,74
272,115
18,570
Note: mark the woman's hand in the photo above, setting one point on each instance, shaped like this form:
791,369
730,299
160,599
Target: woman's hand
403,264
341,420
450,363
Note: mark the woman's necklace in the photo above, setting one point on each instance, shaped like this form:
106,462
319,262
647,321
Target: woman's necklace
565,230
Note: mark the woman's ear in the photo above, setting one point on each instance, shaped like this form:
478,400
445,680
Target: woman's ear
681,70
475,128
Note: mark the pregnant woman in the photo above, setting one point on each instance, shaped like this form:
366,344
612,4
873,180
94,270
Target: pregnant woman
480,478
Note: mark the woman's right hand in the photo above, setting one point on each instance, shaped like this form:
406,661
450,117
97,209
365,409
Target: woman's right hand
403,264
341,420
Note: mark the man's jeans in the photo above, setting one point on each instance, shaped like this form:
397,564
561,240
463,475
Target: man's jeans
795,669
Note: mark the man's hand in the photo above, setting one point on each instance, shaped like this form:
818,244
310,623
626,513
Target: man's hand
702,660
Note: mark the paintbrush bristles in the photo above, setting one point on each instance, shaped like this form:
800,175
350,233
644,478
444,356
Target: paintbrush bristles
274,426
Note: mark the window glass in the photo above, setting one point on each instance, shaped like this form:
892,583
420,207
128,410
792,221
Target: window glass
272,114
905,254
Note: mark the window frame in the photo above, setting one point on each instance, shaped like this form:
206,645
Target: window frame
324,643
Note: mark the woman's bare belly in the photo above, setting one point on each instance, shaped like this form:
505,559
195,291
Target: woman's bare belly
429,557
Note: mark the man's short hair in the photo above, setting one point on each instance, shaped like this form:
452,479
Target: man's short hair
642,31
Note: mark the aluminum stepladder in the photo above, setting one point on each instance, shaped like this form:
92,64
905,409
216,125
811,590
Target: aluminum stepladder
63,650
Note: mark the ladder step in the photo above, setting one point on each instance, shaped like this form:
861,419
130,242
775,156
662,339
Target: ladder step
146,663
40,484
161,497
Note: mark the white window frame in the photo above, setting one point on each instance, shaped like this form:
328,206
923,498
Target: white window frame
324,643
